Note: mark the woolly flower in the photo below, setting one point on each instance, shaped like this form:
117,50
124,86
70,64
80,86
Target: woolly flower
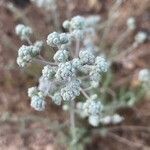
101,64
65,71
56,98
71,90
65,107
38,103
131,23
47,4
32,91
77,34
23,31
94,120
77,22
56,39
92,106
36,48
144,75
80,111
95,75
85,69
47,86
66,24
76,63
94,84
24,55
61,56
106,120
115,119
86,57
38,45
48,72
140,37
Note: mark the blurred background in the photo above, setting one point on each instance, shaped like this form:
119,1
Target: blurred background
22,128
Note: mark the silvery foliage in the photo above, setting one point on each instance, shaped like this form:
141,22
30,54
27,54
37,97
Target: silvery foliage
72,69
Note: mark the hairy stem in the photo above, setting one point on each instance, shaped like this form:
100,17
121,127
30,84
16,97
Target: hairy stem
84,93
77,47
44,62
56,16
72,125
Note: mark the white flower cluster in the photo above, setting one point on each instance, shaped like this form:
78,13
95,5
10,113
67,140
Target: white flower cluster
65,71
48,72
80,26
37,99
61,56
27,53
86,57
61,79
92,109
24,32
144,75
71,90
76,23
56,39
131,23
115,119
140,37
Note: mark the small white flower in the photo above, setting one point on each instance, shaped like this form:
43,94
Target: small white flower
77,22
106,120
38,103
77,34
65,71
65,107
101,64
76,63
23,31
116,119
140,37
86,57
66,24
61,56
94,120
92,107
32,91
71,90
55,39
48,72
56,98
131,23
144,75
